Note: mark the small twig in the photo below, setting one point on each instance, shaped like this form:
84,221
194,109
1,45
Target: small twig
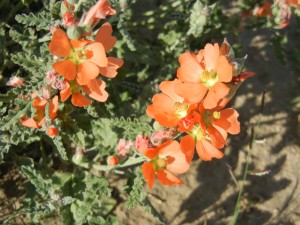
233,176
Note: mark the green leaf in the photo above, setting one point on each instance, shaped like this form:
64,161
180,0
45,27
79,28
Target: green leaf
42,185
14,116
103,133
57,140
42,20
32,64
132,126
95,188
91,110
137,192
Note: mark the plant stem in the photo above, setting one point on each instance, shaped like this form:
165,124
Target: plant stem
130,162
248,161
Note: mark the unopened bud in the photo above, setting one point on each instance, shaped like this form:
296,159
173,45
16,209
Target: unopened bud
112,160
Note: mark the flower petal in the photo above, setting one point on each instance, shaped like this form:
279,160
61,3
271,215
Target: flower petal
167,87
215,94
30,122
166,178
216,137
96,90
228,121
177,161
60,44
151,153
66,68
53,107
148,173
87,71
207,151
105,38
161,104
187,145
191,92
79,100
110,70
189,70
211,56
224,70
96,54
65,94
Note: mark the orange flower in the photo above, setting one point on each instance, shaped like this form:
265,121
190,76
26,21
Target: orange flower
99,11
104,36
205,149
168,108
165,159
39,118
209,132
94,89
82,57
203,76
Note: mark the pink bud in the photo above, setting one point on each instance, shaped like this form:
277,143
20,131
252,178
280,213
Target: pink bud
69,19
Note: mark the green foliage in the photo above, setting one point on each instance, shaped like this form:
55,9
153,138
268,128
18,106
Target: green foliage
103,133
136,190
13,118
42,20
92,190
34,65
58,142
132,126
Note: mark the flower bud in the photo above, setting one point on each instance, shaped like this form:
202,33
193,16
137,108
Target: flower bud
112,160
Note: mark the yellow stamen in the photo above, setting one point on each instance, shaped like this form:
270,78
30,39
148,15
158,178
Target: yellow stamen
217,115
205,76
197,133
161,163
209,78
181,109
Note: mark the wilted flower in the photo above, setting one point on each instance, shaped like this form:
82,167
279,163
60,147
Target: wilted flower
123,147
141,142
15,81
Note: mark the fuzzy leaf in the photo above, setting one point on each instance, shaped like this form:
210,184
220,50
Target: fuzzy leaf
57,140
42,20
42,185
137,192
32,64
13,117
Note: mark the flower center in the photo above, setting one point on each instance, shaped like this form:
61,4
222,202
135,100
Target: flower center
216,115
77,56
161,163
181,109
198,133
209,78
